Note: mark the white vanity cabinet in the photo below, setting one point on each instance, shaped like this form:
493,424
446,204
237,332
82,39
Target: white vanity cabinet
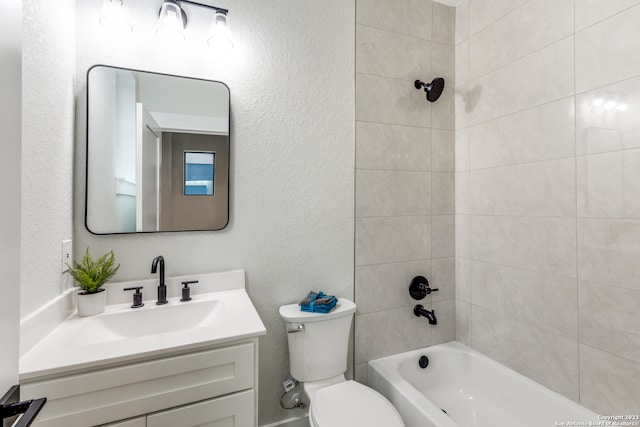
213,386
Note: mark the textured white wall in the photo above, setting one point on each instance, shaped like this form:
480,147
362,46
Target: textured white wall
10,111
47,147
292,155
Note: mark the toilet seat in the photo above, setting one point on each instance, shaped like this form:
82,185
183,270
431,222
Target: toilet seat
351,404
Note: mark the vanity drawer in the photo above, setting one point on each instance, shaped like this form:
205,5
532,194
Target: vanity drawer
108,395
235,410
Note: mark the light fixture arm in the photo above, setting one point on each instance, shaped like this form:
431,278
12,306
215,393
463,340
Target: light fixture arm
217,9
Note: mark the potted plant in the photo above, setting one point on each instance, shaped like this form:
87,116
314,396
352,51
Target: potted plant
90,275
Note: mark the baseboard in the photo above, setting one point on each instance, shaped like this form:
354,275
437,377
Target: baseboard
290,422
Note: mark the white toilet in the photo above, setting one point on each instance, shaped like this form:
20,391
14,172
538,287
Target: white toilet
318,346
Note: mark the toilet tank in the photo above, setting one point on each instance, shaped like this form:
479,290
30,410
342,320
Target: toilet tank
320,350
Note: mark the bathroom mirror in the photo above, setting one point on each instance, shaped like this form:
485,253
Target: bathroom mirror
157,152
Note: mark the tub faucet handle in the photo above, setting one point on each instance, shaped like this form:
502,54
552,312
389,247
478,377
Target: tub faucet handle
419,288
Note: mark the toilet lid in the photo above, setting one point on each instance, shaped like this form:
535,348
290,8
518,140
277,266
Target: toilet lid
351,404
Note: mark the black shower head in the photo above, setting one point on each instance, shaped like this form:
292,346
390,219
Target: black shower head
433,89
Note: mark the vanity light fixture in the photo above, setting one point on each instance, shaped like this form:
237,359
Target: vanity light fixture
173,20
115,17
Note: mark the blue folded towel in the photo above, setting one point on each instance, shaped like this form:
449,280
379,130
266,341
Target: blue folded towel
318,303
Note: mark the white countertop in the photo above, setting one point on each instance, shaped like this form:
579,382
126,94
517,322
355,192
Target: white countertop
81,343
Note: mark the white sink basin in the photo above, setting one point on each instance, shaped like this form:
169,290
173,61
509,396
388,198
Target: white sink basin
150,320
222,313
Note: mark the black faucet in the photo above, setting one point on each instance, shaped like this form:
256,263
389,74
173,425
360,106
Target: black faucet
419,310
162,288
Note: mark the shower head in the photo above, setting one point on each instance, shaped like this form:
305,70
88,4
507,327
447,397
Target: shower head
433,89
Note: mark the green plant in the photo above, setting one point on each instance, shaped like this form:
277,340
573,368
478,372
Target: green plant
91,274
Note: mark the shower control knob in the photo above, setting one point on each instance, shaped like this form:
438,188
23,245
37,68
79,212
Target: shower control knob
419,288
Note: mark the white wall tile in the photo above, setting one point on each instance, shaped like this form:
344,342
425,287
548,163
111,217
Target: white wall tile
588,12
463,322
463,195
443,110
443,278
403,331
545,188
610,319
608,383
609,185
544,76
442,236
483,13
600,129
386,286
462,63
464,101
463,279
540,299
411,17
445,329
462,150
389,54
608,252
462,22
608,51
443,193
444,62
383,146
443,24
392,193
392,239
540,244
544,132
386,100
534,25
443,150
463,248
528,349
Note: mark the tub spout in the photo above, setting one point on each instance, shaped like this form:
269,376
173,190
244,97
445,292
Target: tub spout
419,310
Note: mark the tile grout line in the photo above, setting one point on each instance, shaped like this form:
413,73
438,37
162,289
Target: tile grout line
575,142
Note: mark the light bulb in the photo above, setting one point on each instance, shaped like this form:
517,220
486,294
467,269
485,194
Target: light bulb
171,22
220,33
597,102
623,107
115,17
610,105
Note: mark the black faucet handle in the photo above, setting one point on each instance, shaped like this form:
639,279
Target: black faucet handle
186,290
419,287
137,296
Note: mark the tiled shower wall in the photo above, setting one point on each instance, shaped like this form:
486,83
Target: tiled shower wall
404,176
548,192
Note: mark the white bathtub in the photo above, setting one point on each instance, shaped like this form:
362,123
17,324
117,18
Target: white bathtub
475,391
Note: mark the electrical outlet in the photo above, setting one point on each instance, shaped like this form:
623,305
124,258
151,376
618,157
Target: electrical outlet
66,256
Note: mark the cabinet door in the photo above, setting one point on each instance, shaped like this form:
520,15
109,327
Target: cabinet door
107,395
235,410
134,422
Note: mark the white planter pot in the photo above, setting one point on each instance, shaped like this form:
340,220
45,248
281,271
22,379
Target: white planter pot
91,304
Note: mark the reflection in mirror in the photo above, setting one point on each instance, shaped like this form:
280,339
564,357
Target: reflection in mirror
157,152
